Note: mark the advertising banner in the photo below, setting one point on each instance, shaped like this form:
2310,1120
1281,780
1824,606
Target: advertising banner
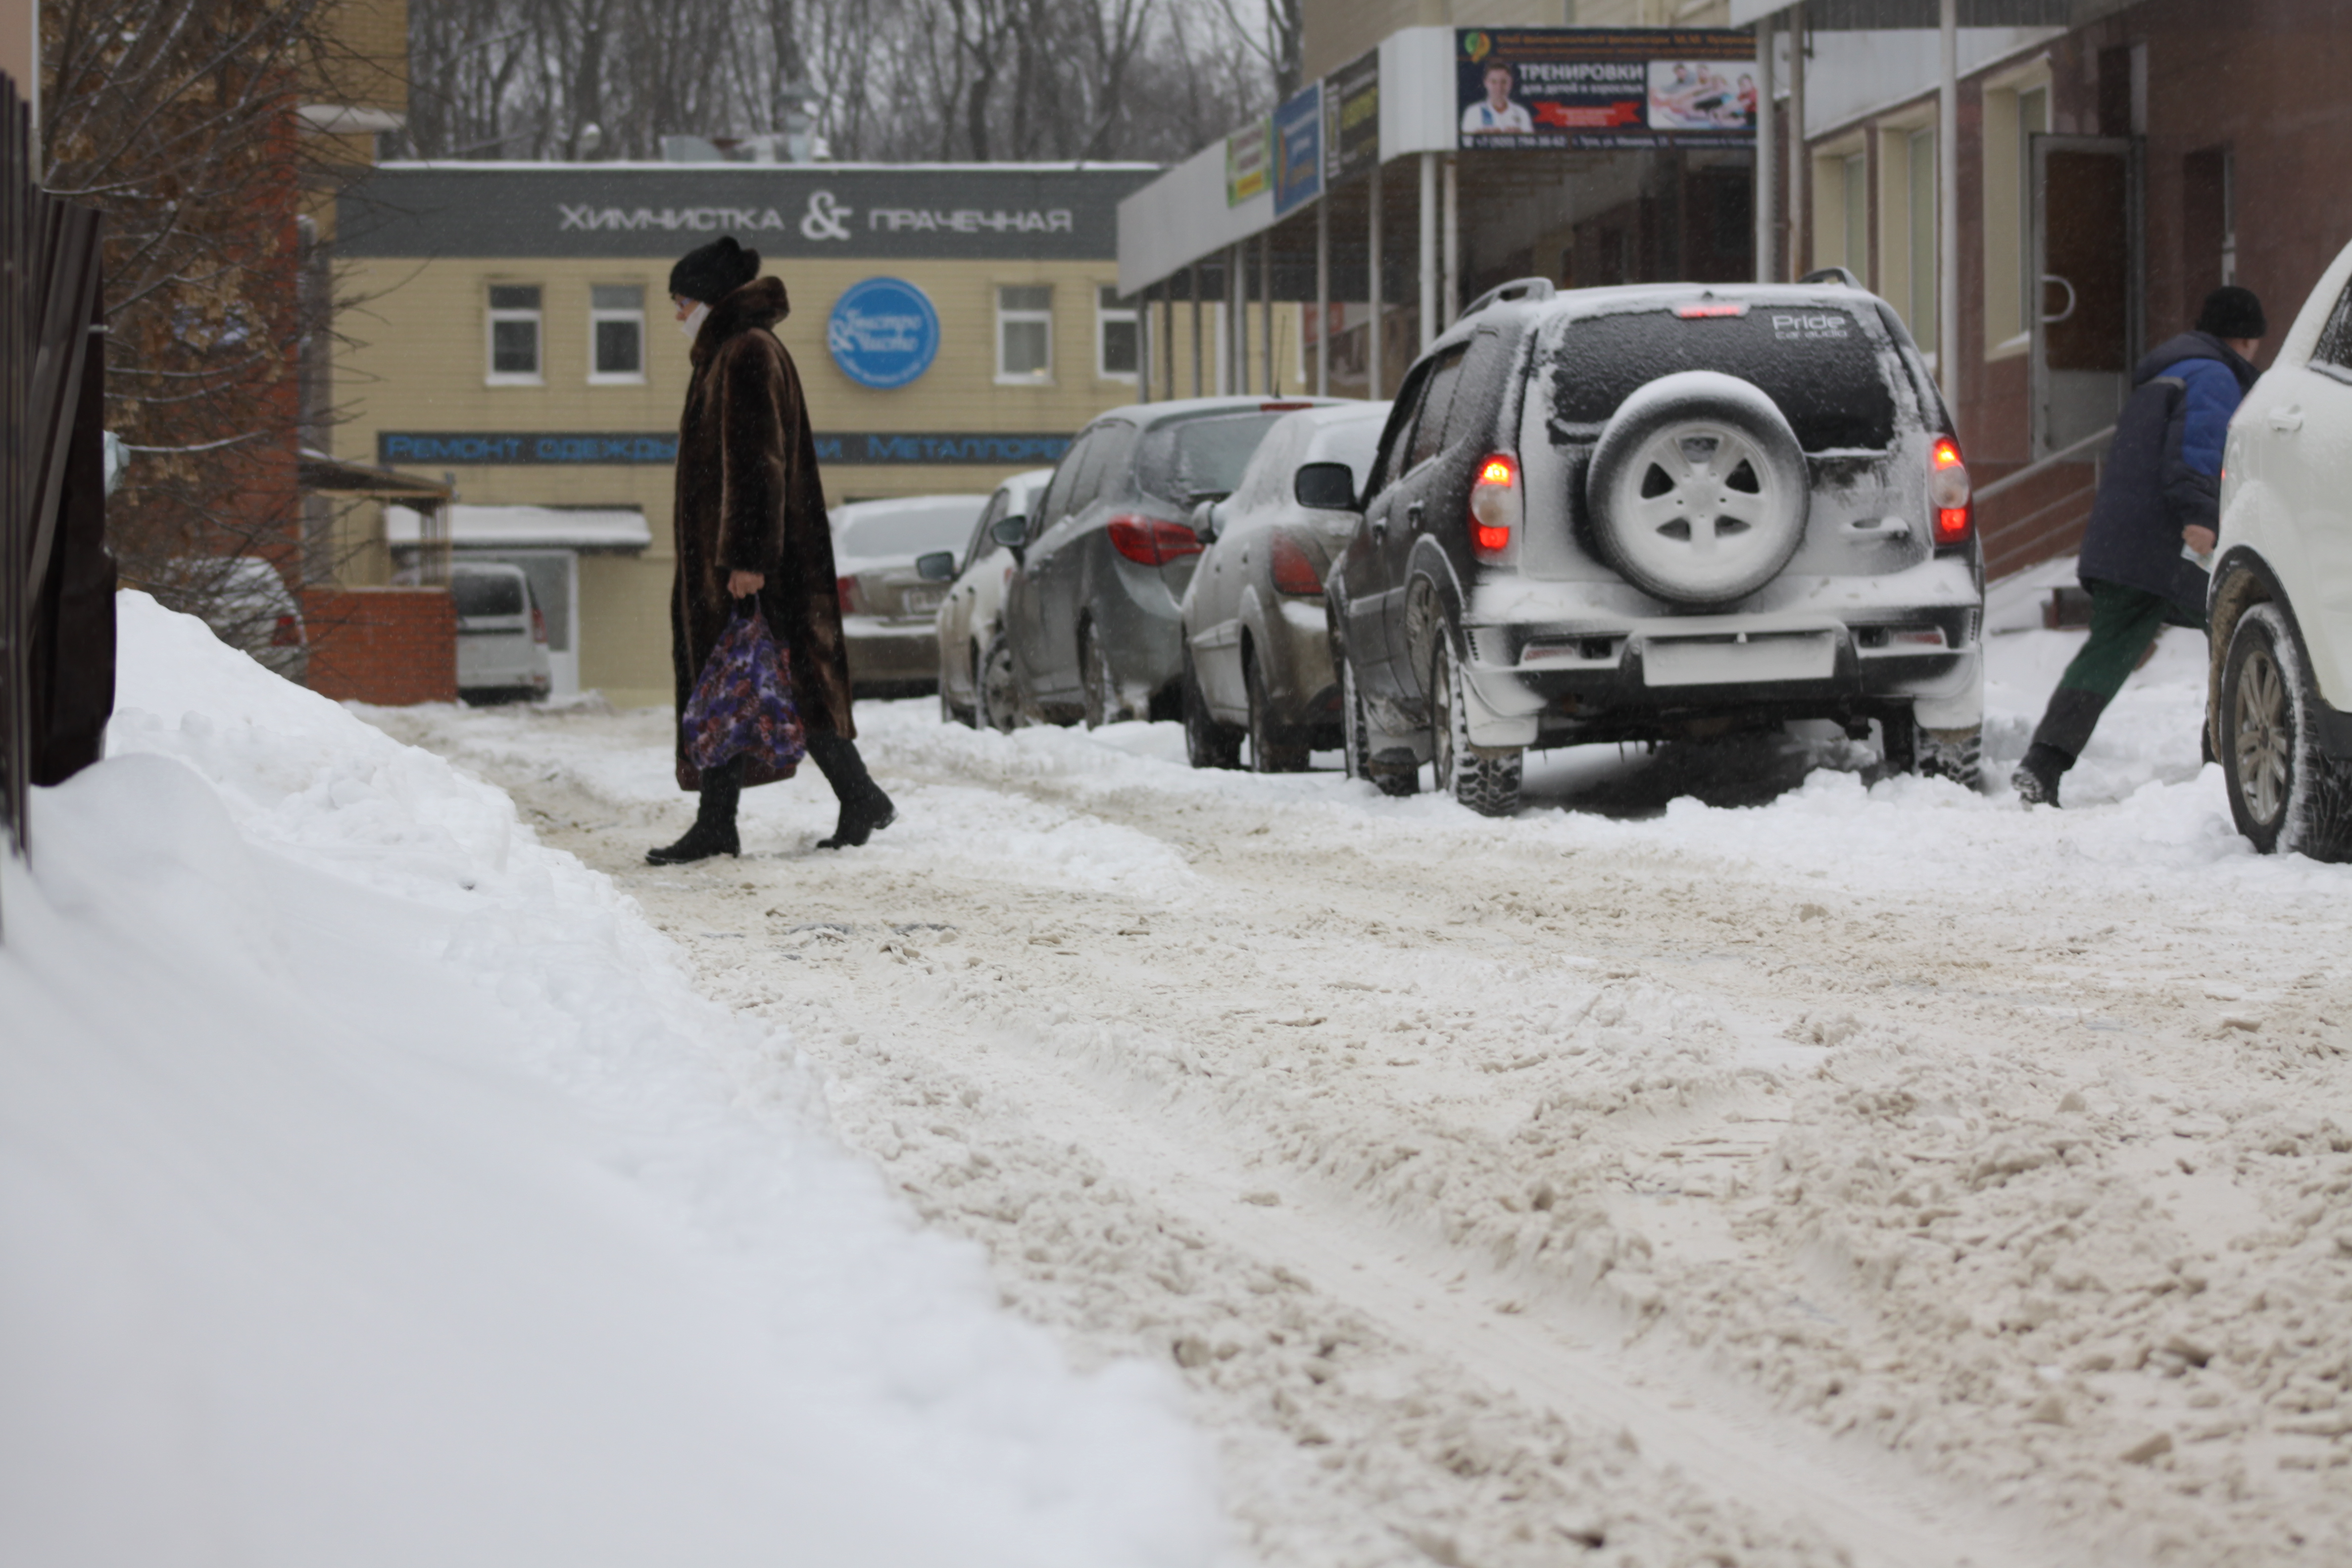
1299,149
1351,119
1247,157
1595,87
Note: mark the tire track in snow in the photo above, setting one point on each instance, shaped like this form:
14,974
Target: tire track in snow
1700,1045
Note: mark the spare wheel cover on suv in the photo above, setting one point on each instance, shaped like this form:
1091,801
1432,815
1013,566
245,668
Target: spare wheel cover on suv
1698,490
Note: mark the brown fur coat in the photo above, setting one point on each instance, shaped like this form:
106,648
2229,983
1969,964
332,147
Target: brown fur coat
749,500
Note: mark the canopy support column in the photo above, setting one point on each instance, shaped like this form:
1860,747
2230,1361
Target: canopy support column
1265,308
1323,296
1947,216
1800,158
1767,182
1143,346
1449,301
1196,329
1378,389
1428,267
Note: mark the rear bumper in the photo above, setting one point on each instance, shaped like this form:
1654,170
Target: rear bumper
1847,648
891,653
1294,645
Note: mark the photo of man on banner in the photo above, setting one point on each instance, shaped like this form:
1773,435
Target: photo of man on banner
1497,113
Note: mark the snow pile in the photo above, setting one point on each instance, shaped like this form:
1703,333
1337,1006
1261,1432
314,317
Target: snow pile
377,1190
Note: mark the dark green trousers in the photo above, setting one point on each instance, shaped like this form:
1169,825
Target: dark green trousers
2124,622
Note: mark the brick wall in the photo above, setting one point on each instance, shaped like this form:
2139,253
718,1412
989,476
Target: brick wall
388,646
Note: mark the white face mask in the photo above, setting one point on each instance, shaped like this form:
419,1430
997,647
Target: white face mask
691,328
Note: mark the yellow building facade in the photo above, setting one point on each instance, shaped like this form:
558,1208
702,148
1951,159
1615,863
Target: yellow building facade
510,333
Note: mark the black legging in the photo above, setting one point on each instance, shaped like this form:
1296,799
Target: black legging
837,759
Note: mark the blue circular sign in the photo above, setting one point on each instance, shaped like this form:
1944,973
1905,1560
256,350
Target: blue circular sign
883,332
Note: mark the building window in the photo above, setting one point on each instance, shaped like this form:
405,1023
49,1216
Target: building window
2032,119
616,332
1024,332
1857,216
1116,336
1925,312
2015,111
514,333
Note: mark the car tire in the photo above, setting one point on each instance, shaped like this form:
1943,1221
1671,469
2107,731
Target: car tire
1207,744
996,694
1954,754
1909,747
2285,795
1699,492
1268,752
1483,778
1100,701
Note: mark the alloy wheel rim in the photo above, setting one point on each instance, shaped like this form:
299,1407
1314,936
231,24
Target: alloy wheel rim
1699,501
2261,742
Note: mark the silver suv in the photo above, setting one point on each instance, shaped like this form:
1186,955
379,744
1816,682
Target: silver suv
1659,512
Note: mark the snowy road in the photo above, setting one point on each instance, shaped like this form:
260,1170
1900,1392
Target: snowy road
1824,1174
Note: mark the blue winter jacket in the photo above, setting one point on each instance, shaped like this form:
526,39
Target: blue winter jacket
2164,468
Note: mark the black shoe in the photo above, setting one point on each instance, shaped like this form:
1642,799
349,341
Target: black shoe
2037,775
701,842
862,817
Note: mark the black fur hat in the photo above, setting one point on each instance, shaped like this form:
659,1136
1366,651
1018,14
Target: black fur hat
709,273
2232,312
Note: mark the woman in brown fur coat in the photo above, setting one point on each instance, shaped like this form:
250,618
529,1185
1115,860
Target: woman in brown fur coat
751,522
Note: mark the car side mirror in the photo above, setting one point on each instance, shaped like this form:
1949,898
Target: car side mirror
939,566
1325,485
1011,530
1205,522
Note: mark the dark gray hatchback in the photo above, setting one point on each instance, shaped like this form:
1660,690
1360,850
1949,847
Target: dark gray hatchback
1091,614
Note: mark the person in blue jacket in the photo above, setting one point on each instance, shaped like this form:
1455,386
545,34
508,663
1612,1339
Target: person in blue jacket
2161,491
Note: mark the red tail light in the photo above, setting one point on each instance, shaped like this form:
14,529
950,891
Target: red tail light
289,633
1294,569
1494,505
845,588
1948,491
1711,308
1150,542
538,624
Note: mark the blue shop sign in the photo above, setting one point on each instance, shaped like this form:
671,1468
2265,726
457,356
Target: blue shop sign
883,332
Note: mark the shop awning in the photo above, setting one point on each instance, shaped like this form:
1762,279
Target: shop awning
525,527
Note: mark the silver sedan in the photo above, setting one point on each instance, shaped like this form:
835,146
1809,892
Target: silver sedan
1257,655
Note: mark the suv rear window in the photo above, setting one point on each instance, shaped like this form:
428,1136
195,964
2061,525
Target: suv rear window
1200,456
1822,364
485,593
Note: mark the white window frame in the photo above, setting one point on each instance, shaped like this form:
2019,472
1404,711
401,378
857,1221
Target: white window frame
1106,316
597,316
2008,205
493,315
1023,315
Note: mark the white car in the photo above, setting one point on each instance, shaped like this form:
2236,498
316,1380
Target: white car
887,611
2279,709
975,664
502,634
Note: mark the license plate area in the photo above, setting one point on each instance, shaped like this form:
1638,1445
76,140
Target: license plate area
1734,659
921,601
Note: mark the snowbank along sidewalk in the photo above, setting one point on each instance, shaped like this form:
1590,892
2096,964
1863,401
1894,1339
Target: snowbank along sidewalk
1724,1160
374,1187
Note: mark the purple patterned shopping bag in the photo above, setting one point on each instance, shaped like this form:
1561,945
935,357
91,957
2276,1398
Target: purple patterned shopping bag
743,703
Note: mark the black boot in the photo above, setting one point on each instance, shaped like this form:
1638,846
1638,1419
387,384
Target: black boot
2037,775
865,809
713,832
